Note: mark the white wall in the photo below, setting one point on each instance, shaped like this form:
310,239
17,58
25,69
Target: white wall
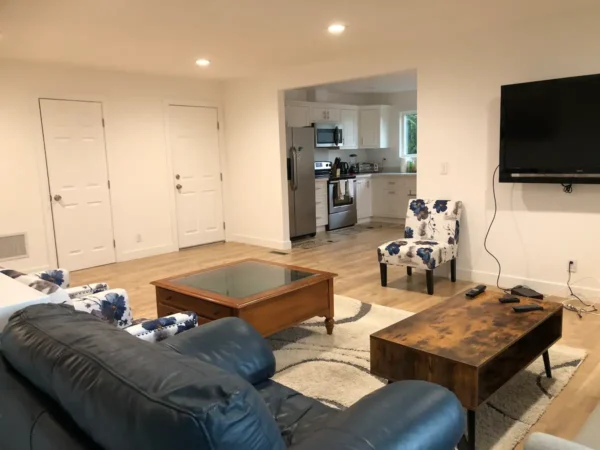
142,195
256,180
538,228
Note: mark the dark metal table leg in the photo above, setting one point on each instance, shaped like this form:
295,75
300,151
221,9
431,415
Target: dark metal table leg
547,365
471,428
467,442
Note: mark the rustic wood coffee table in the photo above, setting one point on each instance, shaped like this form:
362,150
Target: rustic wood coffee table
270,296
472,347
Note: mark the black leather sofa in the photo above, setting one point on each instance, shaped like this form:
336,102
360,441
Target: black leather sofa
70,381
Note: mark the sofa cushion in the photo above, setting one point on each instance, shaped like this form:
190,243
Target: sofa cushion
296,415
126,393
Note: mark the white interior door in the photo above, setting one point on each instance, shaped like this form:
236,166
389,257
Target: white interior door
78,180
194,142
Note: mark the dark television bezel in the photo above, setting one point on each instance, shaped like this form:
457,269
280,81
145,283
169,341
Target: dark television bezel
506,176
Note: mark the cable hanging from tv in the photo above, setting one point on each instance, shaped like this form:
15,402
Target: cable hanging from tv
567,188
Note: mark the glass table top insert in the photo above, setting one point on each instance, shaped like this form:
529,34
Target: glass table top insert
242,280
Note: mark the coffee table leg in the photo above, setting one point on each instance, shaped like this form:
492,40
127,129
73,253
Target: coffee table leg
329,324
547,365
471,429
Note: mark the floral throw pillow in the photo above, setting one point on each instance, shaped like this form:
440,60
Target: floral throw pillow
160,329
112,306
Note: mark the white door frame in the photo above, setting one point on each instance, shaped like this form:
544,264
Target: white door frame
45,175
42,167
222,159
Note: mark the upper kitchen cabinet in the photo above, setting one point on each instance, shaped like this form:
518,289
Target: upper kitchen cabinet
324,113
297,115
349,121
374,126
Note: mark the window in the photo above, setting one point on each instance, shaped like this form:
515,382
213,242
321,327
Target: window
408,133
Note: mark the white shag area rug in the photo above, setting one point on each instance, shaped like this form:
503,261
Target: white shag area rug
335,370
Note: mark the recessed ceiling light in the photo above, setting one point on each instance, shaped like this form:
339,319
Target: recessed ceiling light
202,62
336,28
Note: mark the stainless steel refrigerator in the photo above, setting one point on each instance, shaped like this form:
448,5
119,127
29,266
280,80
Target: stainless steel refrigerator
301,181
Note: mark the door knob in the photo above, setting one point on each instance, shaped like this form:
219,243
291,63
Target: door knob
178,186
177,177
57,198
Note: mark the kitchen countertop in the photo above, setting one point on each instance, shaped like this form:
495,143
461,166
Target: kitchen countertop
374,174
385,174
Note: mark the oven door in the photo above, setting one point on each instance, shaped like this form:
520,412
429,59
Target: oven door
328,135
341,195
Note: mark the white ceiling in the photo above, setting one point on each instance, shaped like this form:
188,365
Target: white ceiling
383,84
240,37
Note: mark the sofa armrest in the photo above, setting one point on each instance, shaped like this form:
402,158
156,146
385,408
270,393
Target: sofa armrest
231,344
542,441
405,414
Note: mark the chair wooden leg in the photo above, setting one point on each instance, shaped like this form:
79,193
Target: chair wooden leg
429,274
383,273
409,271
453,270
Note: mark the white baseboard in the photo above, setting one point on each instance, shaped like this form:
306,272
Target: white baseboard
145,252
558,289
269,243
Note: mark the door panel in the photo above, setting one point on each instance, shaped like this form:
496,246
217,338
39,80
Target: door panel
78,181
194,142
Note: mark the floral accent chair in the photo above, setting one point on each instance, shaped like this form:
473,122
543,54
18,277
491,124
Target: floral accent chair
431,236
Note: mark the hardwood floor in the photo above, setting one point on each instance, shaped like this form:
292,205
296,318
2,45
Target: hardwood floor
354,260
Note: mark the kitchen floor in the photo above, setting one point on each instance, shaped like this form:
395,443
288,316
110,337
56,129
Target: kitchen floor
331,237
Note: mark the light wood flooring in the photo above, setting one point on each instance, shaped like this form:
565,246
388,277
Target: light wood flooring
354,260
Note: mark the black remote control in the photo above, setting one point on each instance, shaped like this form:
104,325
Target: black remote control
527,308
509,300
472,293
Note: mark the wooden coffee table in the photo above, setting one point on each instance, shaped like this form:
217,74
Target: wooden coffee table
472,347
270,296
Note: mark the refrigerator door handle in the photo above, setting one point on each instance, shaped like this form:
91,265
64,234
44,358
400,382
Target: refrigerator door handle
294,169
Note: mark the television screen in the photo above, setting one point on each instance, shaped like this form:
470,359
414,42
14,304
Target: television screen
550,131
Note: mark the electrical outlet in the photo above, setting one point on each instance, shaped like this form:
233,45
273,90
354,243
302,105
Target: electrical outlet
138,238
573,265
444,168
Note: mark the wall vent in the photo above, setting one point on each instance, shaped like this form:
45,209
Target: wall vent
13,246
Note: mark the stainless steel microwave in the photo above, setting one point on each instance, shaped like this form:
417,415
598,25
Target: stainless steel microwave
328,135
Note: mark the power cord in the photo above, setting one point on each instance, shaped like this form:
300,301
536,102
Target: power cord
489,229
580,311
567,188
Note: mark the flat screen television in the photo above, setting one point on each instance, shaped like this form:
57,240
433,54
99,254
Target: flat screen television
550,131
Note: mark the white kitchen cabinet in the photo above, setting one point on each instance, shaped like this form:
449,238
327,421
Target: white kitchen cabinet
364,198
374,126
297,116
321,202
324,113
349,121
391,195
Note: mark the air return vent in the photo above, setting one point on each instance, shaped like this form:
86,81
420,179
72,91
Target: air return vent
13,246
